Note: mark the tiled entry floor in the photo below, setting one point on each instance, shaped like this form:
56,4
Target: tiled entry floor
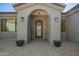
38,48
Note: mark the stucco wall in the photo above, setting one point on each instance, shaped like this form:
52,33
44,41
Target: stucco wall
73,27
8,35
54,27
63,36
64,33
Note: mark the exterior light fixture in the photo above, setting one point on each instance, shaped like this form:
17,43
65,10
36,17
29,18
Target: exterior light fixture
56,19
22,19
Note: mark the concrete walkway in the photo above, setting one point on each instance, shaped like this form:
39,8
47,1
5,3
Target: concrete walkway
38,48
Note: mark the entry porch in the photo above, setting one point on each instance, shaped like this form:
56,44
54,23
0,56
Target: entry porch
38,48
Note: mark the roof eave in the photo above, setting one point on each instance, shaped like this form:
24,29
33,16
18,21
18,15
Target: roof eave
57,4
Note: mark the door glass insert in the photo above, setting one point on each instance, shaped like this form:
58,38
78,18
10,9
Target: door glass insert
38,31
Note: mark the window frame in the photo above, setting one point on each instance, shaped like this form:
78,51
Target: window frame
5,25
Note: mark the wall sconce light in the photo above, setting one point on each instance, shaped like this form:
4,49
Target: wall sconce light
56,19
22,19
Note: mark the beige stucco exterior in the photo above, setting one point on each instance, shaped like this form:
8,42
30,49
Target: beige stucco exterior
54,27
73,27
53,11
71,24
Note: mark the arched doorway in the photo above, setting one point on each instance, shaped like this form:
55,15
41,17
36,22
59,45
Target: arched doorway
38,25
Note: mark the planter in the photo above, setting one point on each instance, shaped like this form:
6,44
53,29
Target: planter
57,43
20,42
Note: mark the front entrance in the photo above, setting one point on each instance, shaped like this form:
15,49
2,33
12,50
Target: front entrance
39,25
38,29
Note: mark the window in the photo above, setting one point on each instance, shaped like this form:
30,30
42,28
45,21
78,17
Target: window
62,25
3,24
8,25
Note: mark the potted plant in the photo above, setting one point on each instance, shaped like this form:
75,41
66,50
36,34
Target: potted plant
20,42
57,43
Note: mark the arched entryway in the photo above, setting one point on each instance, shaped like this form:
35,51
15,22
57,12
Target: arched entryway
38,25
